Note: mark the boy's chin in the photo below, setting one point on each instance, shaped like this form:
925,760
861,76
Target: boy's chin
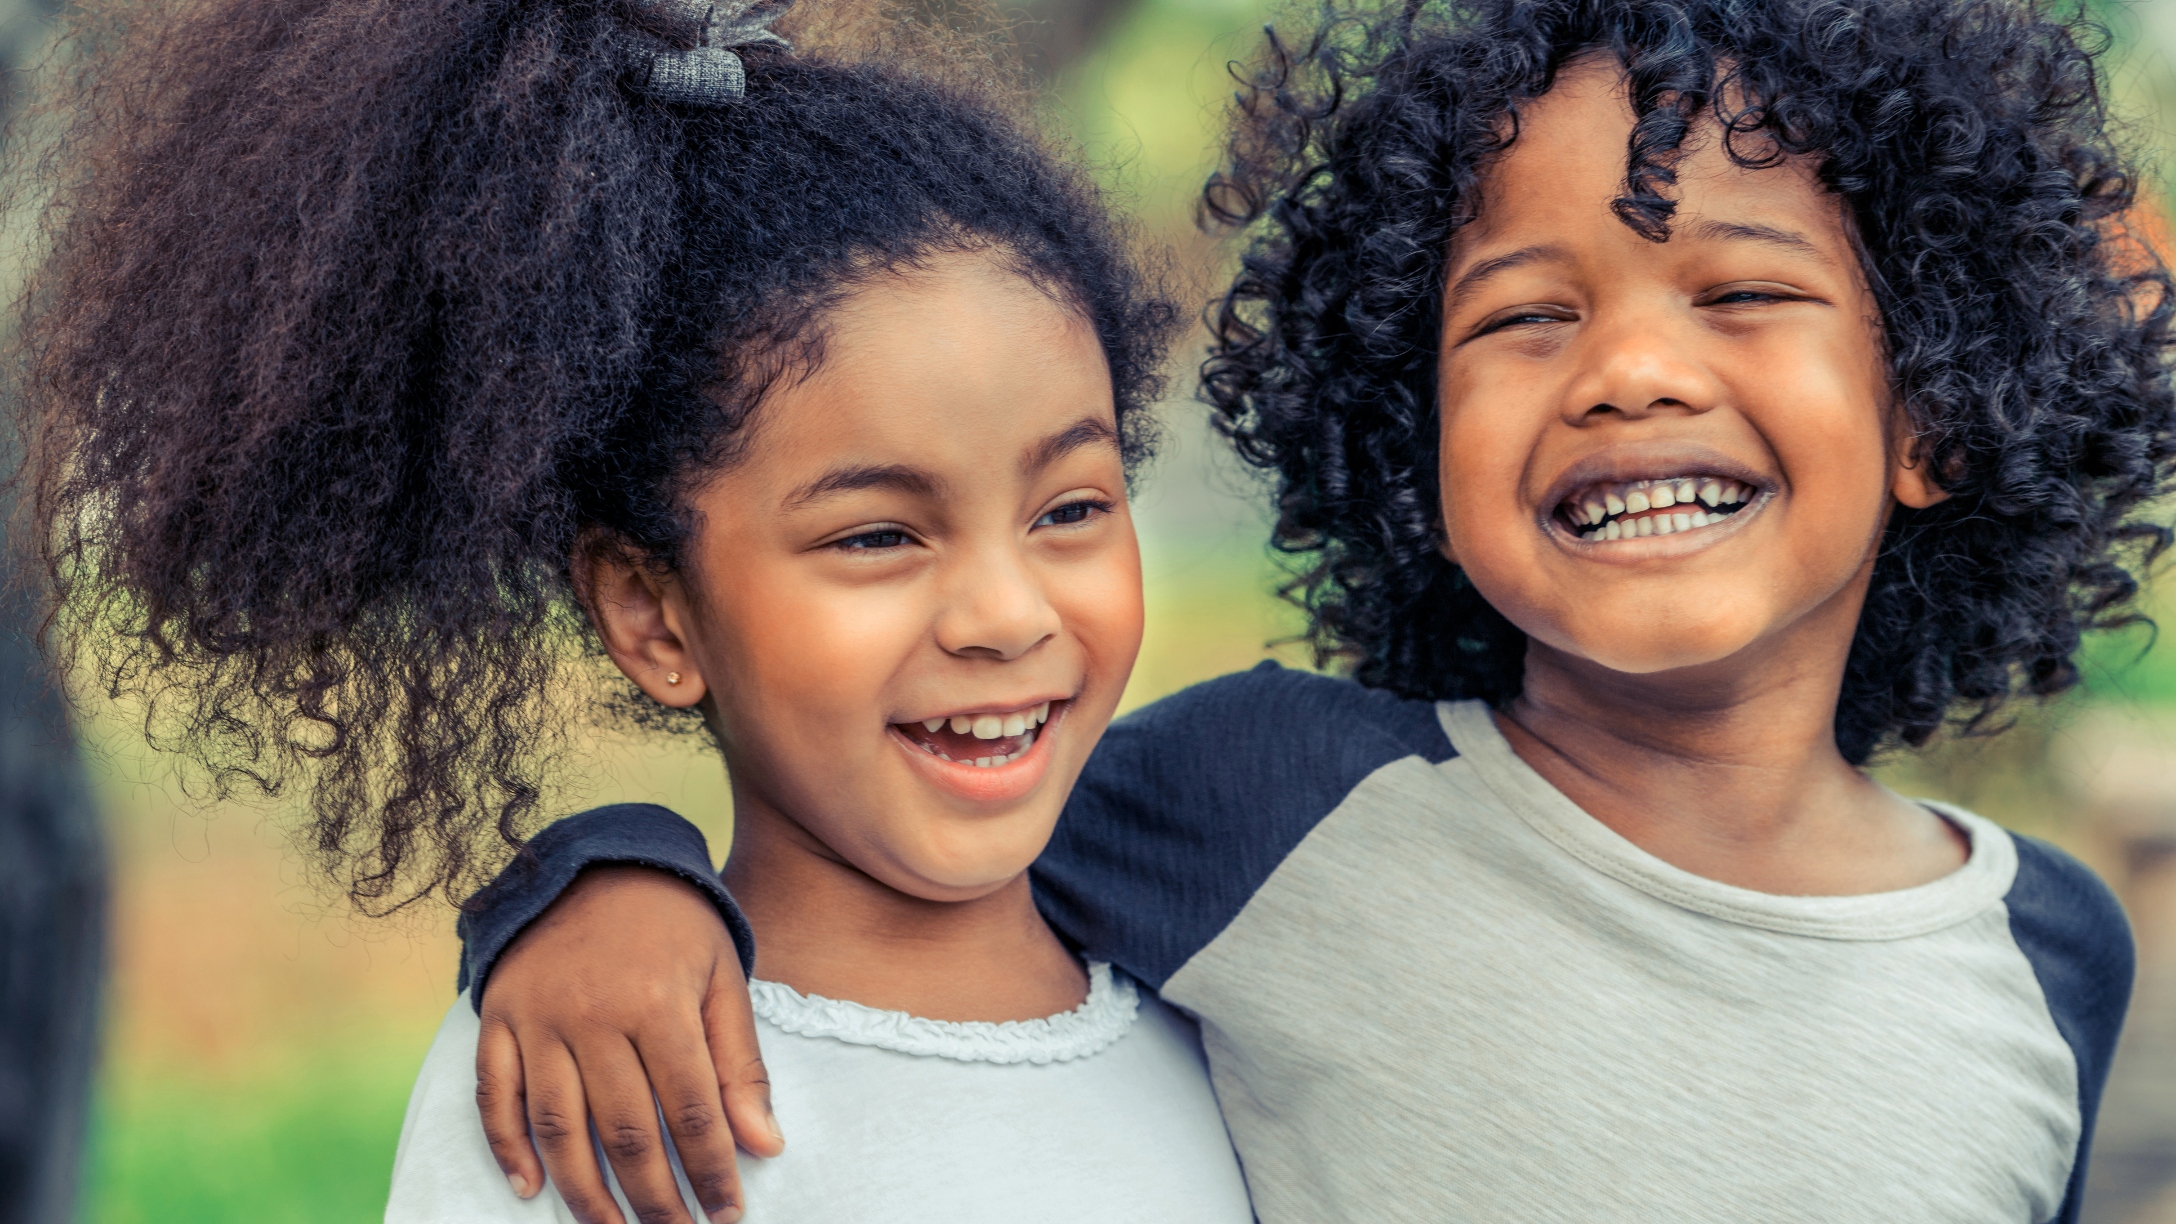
1647,651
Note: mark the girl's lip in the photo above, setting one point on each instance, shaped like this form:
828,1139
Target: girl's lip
1656,547
998,784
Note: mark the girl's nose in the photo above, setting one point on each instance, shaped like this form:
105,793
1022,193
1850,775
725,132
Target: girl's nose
995,608
1637,368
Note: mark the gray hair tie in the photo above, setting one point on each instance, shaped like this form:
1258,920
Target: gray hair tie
705,71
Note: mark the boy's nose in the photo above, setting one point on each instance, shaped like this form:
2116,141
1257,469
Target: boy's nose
995,609
1636,370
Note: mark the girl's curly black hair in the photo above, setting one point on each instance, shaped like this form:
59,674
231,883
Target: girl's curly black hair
2026,330
355,316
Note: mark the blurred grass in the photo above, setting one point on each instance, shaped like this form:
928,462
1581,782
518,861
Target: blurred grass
261,1043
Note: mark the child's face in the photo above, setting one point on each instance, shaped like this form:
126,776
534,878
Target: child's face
1658,455
916,599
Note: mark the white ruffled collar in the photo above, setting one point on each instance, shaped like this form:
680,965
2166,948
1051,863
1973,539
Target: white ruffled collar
1102,1018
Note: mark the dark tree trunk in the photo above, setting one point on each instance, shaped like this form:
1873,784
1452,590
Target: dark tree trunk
52,878
52,933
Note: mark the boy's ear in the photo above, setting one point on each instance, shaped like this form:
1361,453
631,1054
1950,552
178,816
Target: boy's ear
642,617
1912,480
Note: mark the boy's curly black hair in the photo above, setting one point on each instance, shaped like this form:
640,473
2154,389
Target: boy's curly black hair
2027,331
355,316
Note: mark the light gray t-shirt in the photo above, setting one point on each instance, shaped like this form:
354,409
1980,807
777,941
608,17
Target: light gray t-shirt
1432,988
1101,1113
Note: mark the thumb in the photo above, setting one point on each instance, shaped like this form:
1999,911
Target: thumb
729,1027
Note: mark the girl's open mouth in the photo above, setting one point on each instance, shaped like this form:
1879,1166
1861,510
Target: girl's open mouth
982,740
1634,509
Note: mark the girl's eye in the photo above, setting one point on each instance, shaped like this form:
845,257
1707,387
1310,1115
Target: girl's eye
1072,512
868,541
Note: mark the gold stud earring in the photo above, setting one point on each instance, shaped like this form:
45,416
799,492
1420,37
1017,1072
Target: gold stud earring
672,677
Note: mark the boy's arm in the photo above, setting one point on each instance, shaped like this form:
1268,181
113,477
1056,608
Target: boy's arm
608,964
2072,930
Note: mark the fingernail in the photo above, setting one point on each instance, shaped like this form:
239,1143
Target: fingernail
728,1214
771,1120
521,1188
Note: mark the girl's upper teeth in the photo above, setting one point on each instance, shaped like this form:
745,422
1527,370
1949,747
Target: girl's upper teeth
991,726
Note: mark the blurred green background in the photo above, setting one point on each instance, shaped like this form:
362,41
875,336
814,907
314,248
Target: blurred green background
260,1041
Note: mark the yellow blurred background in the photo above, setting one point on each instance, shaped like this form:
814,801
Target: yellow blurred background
260,1041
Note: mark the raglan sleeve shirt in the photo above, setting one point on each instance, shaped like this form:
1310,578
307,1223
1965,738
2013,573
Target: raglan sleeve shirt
1429,987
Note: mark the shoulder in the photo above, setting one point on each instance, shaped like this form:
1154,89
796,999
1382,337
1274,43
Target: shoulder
2072,929
1189,803
1268,743
1283,713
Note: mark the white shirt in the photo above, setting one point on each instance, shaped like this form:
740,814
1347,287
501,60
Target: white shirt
1102,1113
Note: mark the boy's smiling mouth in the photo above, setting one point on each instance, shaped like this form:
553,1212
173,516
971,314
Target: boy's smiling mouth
1609,511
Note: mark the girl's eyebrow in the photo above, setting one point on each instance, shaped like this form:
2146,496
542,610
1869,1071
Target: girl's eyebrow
917,482
1083,432
895,476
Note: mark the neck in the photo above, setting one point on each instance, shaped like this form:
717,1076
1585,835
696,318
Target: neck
1730,770
825,927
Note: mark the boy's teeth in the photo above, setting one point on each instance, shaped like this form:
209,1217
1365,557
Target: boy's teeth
1042,713
932,725
988,726
961,724
1606,513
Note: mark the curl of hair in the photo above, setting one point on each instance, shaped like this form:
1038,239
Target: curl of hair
353,317
2027,330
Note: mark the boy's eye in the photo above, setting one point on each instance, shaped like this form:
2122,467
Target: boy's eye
1744,297
1517,318
880,538
1071,513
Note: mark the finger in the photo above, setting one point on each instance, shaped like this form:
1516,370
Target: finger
625,1111
680,1071
729,1026
505,1114
559,1119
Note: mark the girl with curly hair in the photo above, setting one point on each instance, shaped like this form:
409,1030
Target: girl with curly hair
396,361
1673,404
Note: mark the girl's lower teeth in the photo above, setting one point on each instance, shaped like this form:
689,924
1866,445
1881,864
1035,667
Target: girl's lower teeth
1027,741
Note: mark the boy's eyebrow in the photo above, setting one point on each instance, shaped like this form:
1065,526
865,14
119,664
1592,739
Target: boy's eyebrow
1083,432
895,476
1487,268
1732,230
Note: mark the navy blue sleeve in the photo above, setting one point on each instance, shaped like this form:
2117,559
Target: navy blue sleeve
1190,803
2073,931
641,833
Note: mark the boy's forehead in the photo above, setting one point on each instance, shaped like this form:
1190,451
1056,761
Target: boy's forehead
1558,180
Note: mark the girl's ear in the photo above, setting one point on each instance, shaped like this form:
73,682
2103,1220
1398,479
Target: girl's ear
643,618
1912,481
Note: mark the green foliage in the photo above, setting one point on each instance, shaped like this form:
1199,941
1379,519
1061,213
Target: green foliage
313,1145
